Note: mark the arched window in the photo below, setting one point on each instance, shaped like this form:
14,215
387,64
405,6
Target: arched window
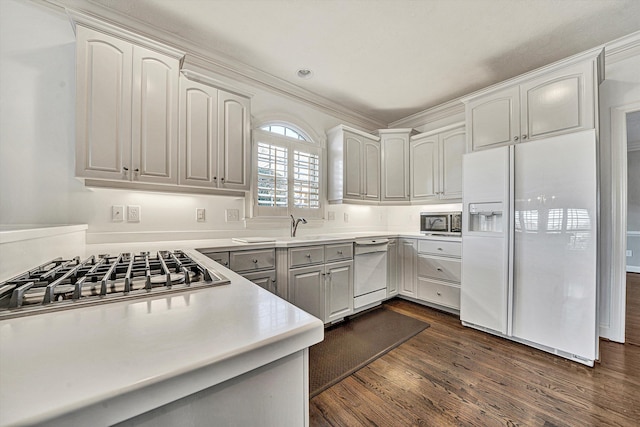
288,172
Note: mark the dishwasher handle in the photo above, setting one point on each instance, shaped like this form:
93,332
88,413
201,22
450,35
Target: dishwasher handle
371,246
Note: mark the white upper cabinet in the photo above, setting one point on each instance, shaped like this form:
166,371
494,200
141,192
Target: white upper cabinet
436,164
424,167
234,120
354,166
452,145
198,133
103,122
214,137
395,165
560,98
127,128
154,118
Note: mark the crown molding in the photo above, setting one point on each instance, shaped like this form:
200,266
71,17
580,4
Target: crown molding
450,108
622,48
215,61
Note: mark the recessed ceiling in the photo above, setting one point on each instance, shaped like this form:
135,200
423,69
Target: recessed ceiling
390,59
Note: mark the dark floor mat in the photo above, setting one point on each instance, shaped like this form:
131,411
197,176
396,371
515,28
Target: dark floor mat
357,342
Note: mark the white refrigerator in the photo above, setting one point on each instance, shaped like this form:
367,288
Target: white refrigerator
529,243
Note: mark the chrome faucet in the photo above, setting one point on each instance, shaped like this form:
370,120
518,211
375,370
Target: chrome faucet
294,224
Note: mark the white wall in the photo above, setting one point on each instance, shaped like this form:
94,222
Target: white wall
621,87
37,143
633,209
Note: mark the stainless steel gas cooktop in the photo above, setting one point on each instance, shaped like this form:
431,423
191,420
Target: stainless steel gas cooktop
64,284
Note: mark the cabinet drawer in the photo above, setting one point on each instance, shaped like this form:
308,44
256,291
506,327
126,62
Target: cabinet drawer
246,261
338,252
439,293
307,255
440,247
439,268
221,258
264,279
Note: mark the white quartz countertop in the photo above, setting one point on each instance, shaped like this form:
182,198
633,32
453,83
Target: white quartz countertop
106,363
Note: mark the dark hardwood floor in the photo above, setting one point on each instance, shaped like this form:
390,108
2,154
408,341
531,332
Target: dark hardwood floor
452,375
632,318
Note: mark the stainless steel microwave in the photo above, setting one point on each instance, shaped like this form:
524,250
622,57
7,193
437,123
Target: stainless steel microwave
445,223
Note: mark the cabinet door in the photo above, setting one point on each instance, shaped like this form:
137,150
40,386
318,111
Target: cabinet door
198,134
339,290
154,122
233,139
264,279
494,119
424,168
558,103
353,164
371,170
306,289
395,167
103,121
452,147
392,268
407,254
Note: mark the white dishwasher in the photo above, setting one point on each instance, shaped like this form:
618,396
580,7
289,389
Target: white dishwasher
370,272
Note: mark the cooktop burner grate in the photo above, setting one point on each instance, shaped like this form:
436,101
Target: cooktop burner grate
61,284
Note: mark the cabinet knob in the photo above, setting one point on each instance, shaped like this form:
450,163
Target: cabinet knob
515,138
255,261
126,169
308,255
339,252
226,263
438,293
439,249
439,269
222,179
524,136
215,178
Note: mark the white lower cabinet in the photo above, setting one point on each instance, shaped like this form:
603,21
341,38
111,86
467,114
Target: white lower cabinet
320,280
429,271
439,269
392,268
257,265
339,290
407,266
306,289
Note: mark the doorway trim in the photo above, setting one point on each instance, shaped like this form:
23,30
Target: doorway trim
619,205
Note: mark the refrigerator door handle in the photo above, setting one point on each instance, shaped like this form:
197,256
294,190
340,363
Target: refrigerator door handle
510,209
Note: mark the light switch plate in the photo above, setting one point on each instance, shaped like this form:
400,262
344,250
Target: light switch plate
200,215
117,213
232,215
629,252
133,213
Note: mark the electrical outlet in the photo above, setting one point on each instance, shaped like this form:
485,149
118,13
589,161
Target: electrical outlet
200,215
232,215
133,213
629,252
331,215
346,217
117,213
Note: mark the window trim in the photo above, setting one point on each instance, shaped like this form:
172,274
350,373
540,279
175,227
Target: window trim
290,144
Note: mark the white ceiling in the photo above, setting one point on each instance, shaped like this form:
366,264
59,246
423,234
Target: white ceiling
389,59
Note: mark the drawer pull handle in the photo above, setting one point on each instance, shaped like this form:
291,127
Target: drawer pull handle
308,255
339,252
439,269
439,249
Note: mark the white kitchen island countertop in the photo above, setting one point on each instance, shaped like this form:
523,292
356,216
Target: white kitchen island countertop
103,364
